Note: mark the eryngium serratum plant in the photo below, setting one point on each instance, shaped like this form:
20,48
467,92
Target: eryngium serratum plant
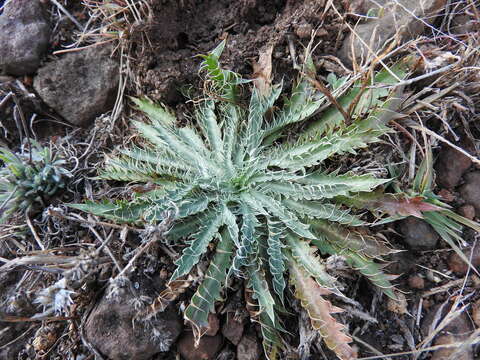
29,179
267,204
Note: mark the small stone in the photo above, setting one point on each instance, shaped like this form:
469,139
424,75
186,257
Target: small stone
79,86
249,348
115,329
24,37
459,266
233,329
467,211
416,282
213,325
470,191
418,234
400,19
450,166
304,31
207,349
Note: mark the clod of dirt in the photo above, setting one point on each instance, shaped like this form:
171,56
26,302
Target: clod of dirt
470,191
24,36
416,282
79,86
450,166
208,347
418,234
115,331
249,348
398,306
467,211
402,17
458,266
233,328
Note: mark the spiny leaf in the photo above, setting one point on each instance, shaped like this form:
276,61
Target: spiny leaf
298,107
367,99
305,154
318,210
276,258
209,125
248,247
319,310
203,301
347,239
367,267
288,218
225,81
261,292
198,246
155,112
304,256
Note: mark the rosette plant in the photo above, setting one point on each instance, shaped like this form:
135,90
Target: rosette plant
263,200
29,180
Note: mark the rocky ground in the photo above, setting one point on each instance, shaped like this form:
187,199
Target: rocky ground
67,69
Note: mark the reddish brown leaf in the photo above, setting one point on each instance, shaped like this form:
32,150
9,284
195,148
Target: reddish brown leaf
404,206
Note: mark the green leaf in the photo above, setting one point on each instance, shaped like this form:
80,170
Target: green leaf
259,105
276,259
343,238
288,218
304,256
203,301
208,123
301,105
261,292
211,222
305,154
318,210
367,267
157,113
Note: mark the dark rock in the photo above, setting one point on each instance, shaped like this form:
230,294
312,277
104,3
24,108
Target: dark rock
450,167
117,331
418,234
470,191
458,265
249,348
79,86
233,328
207,349
24,37
397,17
